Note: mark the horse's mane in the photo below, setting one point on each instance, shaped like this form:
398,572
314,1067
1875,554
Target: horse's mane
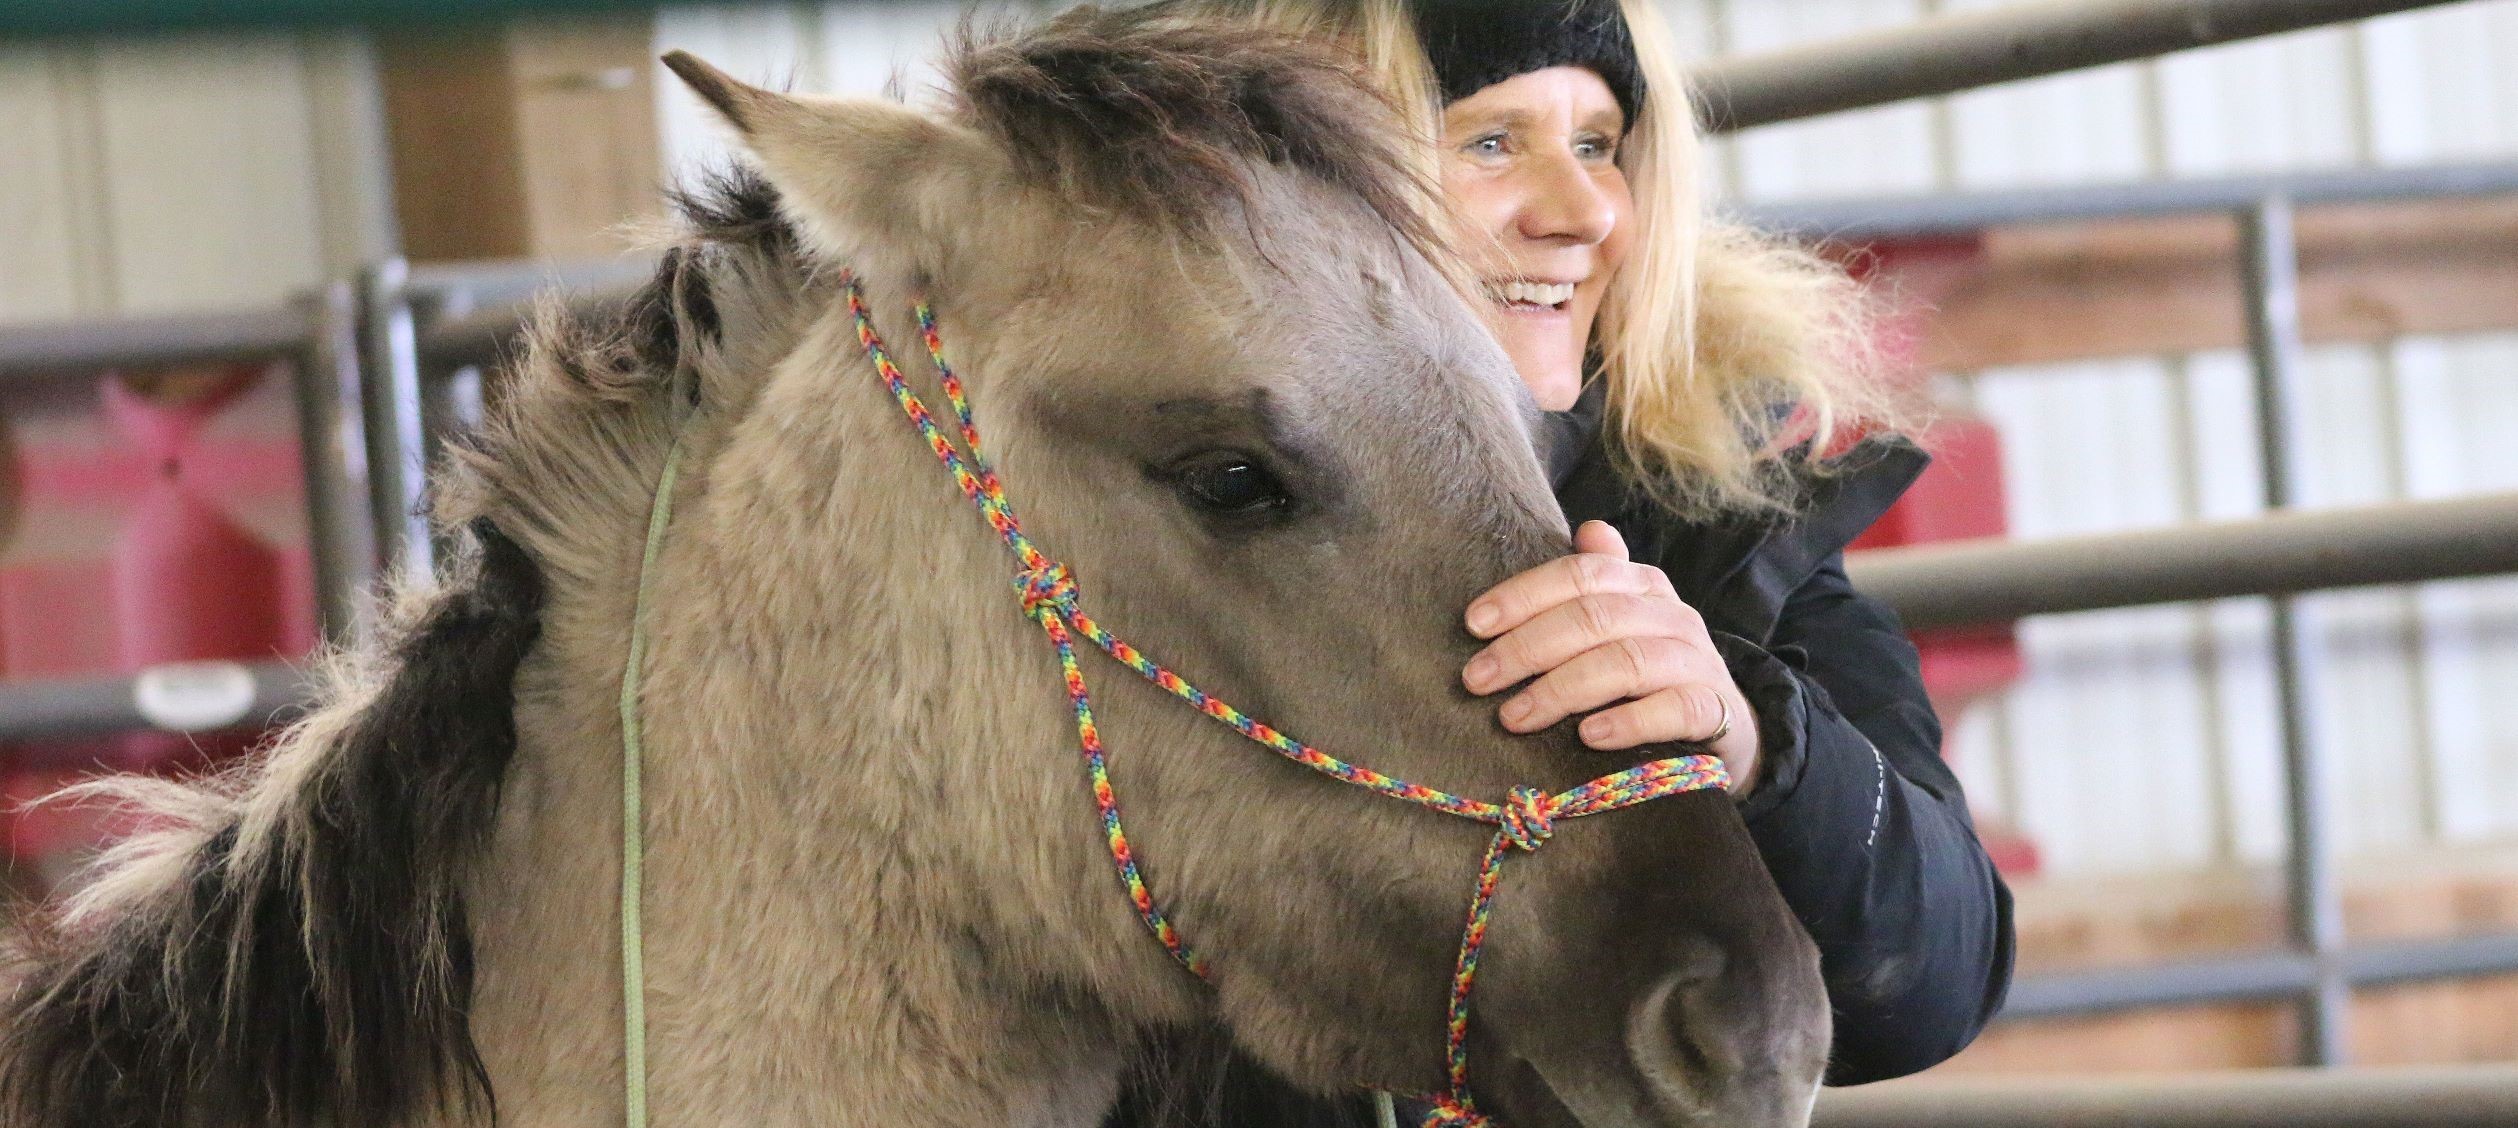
292,947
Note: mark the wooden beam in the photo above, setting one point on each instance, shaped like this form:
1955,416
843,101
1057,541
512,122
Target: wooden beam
2147,287
527,139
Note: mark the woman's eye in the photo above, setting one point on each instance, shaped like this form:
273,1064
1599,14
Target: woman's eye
1596,148
1232,485
1491,145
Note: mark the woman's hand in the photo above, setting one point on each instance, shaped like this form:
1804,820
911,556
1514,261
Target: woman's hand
1596,628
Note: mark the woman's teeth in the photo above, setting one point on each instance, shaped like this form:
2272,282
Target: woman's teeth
1533,293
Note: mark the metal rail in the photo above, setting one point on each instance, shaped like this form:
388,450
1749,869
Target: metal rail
185,697
92,17
1963,583
492,314
317,337
496,293
1963,52
1855,220
2255,977
47,348
2423,1097
1938,56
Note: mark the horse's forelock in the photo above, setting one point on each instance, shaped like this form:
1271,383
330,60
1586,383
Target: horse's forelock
1166,118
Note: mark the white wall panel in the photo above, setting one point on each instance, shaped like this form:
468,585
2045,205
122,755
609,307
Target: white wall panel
868,47
1696,35
1975,745
1889,149
2443,83
2243,736
2265,105
2075,128
2110,749
2422,746
2459,407
2068,129
763,44
2108,732
184,173
353,176
208,161
47,251
2371,707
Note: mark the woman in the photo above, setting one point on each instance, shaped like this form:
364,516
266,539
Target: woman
1694,374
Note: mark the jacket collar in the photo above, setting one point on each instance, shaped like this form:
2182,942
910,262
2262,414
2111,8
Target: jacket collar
1736,570
1566,436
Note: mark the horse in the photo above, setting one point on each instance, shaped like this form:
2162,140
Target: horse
1236,384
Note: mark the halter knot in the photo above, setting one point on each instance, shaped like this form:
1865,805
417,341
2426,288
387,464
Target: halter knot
1048,589
1529,817
1448,1112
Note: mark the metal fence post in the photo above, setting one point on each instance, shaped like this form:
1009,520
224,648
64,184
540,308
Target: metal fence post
397,452
332,443
2271,271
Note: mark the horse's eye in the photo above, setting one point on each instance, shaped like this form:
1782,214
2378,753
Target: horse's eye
1231,485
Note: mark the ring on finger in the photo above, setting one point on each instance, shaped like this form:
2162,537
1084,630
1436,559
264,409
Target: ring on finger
1722,728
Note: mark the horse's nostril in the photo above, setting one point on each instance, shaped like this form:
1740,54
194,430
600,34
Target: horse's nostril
1712,1047
1666,1035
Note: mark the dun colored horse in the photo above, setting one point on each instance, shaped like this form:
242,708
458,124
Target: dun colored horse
1231,381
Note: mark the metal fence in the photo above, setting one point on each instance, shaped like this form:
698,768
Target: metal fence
2282,555
317,341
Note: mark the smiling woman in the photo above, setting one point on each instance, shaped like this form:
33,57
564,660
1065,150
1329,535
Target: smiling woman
1700,387
1531,163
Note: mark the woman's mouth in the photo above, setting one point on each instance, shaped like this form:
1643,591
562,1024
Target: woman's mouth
1523,296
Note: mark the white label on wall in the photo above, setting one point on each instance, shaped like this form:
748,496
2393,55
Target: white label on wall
194,696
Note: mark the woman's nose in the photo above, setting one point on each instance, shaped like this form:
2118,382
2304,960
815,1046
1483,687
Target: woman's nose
1562,203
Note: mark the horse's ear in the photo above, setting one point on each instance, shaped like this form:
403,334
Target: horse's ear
858,175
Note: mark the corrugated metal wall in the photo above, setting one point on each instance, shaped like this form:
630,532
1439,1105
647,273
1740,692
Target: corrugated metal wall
156,176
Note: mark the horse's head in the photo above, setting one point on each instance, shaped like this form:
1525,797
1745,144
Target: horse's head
1226,379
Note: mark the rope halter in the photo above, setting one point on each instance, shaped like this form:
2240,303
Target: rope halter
1524,821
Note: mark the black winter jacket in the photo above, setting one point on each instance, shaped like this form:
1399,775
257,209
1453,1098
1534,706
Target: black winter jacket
1858,819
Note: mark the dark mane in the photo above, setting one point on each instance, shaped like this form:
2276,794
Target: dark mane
731,204
1162,116
307,962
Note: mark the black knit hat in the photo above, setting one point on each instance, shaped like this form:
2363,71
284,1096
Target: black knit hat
1474,44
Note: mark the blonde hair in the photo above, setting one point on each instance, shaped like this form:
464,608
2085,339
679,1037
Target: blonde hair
1735,361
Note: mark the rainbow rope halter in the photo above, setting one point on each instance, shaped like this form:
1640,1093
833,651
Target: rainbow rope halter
1523,821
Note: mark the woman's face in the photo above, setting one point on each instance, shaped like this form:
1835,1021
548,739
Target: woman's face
1532,161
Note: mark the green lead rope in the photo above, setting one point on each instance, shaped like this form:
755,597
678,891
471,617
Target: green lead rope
633,814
